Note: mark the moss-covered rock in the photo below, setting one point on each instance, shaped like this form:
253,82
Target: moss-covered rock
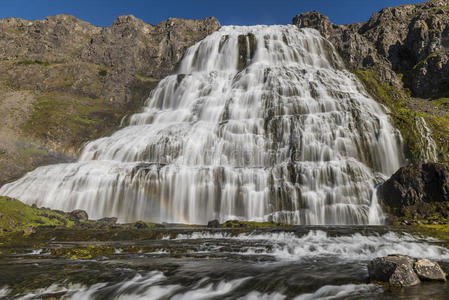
249,224
16,216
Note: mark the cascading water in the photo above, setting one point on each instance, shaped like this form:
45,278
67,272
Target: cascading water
259,123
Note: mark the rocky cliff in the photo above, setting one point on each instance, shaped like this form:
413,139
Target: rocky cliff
401,54
64,81
418,192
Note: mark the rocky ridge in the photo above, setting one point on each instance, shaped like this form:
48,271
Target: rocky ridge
64,81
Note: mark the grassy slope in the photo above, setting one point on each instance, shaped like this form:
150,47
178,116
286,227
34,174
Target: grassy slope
16,216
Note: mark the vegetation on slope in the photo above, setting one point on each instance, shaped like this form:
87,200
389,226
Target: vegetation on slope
17,216
406,120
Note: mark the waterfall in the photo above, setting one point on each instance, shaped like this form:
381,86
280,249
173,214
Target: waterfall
429,151
258,123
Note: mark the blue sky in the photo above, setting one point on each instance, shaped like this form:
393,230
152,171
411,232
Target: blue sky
229,12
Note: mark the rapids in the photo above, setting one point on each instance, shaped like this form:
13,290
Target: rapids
258,123
296,262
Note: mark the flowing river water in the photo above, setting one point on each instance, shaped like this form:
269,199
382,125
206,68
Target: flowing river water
300,262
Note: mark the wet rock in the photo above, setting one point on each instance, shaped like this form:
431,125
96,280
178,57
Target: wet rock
108,221
429,270
417,191
397,270
78,215
213,224
140,225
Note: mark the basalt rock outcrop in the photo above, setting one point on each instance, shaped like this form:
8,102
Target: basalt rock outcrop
412,40
418,192
64,81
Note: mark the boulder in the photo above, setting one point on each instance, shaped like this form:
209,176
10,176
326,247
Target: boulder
213,224
397,270
404,271
417,191
429,270
140,225
108,221
78,215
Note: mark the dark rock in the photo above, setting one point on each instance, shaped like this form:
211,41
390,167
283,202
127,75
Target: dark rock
397,270
213,224
140,225
78,215
108,221
417,191
429,270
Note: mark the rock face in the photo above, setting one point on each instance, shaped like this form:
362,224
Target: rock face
64,81
78,215
410,39
404,271
417,191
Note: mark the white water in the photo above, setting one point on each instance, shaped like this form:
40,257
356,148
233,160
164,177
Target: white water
429,151
149,287
292,137
315,244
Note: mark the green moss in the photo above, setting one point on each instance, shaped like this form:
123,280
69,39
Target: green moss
33,62
239,224
441,102
17,216
144,78
380,90
440,232
446,8
422,62
83,252
31,152
71,120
